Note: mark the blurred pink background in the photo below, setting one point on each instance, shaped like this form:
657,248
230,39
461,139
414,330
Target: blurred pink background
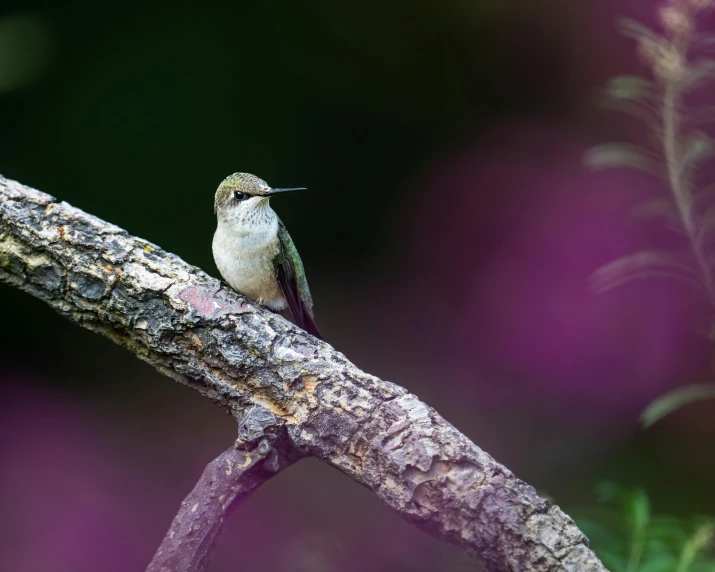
476,298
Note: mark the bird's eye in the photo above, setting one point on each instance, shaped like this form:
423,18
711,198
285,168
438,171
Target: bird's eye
238,195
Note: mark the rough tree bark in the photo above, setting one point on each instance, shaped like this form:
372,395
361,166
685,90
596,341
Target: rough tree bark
227,480
183,322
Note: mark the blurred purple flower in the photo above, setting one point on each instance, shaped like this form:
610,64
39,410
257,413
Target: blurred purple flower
505,239
82,492
59,486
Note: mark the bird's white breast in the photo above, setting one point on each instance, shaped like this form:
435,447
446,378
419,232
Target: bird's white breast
244,255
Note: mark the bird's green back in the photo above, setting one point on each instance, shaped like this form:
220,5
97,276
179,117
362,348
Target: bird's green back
289,252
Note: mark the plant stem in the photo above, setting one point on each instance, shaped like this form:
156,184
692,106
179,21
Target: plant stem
697,542
679,186
634,559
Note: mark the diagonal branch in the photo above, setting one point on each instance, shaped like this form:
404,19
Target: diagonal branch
180,320
225,483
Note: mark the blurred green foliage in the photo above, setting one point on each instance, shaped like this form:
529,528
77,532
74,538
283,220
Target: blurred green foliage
25,50
629,538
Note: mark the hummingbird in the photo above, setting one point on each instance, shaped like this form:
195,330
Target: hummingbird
254,252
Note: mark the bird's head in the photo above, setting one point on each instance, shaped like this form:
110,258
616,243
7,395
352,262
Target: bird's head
243,192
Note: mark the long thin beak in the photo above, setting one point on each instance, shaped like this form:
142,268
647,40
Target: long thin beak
276,191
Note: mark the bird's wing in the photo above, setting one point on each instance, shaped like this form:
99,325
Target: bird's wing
294,285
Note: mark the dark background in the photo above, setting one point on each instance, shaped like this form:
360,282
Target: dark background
448,235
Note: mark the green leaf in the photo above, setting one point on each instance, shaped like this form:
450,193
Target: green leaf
700,539
706,222
632,29
610,155
669,530
696,148
661,563
655,548
676,399
612,560
645,264
697,73
638,508
630,87
635,109
659,207
627,538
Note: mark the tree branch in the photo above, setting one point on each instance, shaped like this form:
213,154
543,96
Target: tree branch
224,485
180,320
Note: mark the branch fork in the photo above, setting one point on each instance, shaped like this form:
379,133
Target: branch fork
292,395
